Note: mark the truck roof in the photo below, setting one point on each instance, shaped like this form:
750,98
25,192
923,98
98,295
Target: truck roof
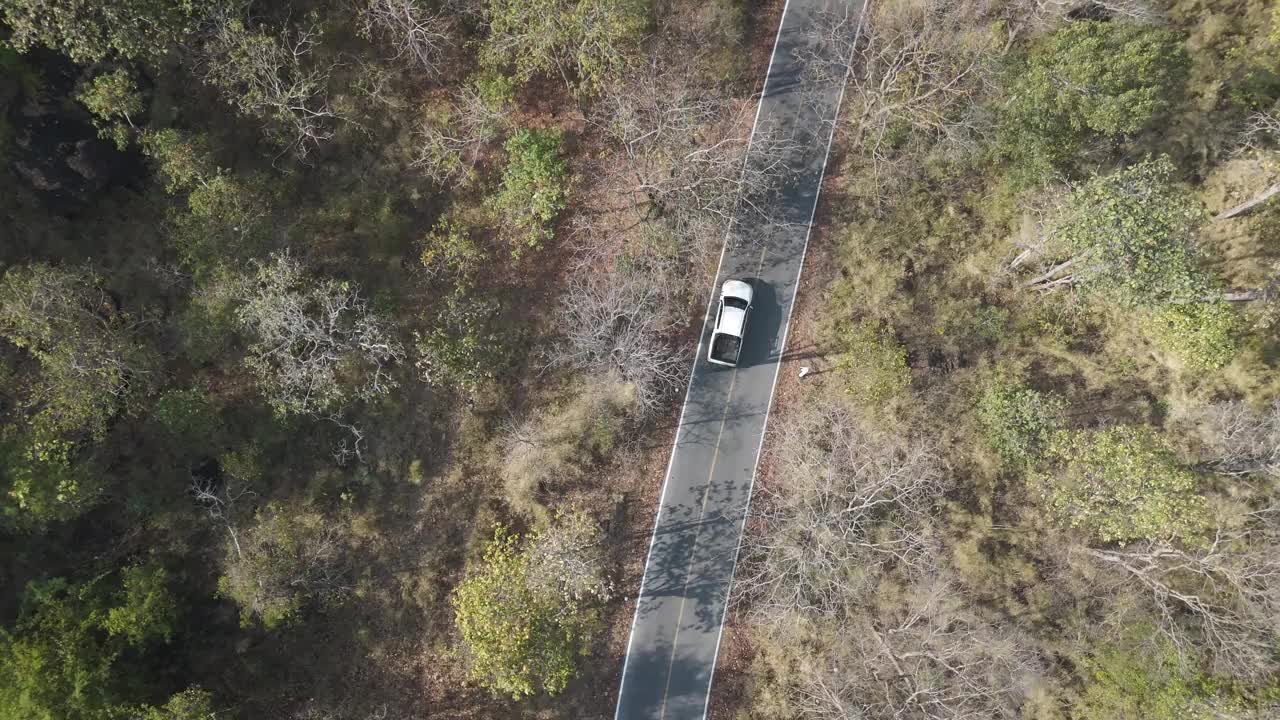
732,320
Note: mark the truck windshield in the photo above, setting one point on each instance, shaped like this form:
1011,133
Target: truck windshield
734,302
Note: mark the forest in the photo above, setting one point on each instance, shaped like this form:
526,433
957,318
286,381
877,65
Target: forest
342,344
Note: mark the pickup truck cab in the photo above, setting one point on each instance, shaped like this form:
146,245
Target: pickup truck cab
731,323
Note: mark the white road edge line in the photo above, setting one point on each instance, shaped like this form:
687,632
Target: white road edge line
782,350
666,480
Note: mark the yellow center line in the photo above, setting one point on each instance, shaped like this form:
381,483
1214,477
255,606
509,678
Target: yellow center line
706,493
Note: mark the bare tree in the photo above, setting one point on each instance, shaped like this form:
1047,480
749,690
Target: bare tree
274,78
453,138
566,561
221,502
916,78
686,152
847,502
1223,595
312,338
1239,440
930,659
418,35
1260,132
1030,17
620,323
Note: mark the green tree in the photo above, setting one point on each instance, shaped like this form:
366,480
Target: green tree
1018,420
1136,678
89,31
533,187
585,41
524,613
1120,484
283,563
111,98
873,363
190,704
1086,80
144,608
91,365
184,160
91,368
1203,334
227,215
465,346
65,657
1131,236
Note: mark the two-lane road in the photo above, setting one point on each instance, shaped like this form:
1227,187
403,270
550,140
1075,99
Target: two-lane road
684,593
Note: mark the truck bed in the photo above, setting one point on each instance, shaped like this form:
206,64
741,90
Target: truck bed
725,348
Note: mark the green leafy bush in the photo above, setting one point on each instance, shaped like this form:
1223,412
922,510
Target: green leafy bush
524,614
112,97
589,38
533,187
1203,334
1086,80
1131,235
285,562
1120,484
873,363
1019,421
466,345
451,249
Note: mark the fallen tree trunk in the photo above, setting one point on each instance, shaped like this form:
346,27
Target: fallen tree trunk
1250,204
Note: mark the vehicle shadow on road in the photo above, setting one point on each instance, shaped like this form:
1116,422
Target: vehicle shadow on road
762,329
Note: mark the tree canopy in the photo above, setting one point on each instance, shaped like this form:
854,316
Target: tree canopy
1132,236
1120,484
1089,79
525,612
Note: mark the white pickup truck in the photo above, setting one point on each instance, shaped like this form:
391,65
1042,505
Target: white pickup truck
731,323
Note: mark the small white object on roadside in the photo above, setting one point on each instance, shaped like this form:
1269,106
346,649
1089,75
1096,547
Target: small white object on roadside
805,370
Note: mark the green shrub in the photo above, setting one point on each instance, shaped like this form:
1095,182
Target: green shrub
187,414
1142,676
466,345
524,614
451,249
1131,234
533,187
1120,484
1019,421
1202,334
110,98
873,363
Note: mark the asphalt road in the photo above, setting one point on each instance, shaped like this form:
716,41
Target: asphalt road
680,612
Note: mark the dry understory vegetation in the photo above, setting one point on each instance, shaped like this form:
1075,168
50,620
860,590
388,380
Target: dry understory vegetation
1031,474
341,342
